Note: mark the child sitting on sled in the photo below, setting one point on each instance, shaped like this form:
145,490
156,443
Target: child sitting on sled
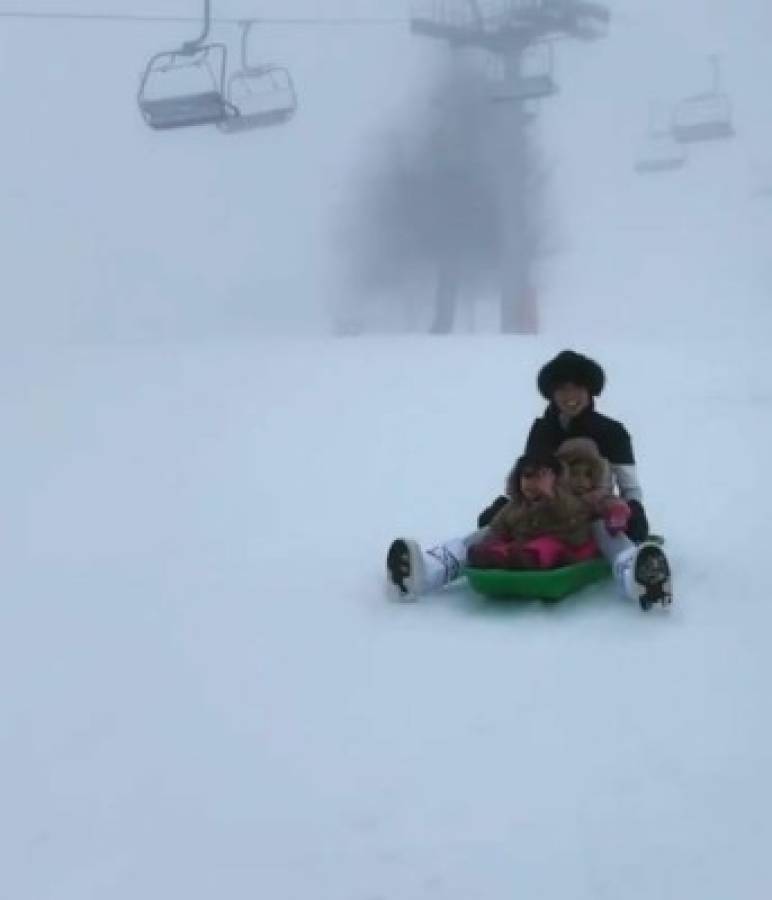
587,476
554,500
642,572
543,525
570,382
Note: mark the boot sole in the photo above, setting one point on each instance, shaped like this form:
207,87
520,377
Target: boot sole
403,564
652,573
398,564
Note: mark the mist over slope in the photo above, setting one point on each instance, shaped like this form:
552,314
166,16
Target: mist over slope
114,231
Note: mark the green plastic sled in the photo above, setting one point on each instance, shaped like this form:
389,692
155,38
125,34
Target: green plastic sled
542,584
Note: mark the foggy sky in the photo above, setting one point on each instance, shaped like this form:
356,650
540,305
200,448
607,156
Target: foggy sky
113,229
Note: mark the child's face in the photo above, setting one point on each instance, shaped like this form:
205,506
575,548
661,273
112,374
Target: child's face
580,477
571,399
536,483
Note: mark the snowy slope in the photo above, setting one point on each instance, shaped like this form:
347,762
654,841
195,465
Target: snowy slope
208,692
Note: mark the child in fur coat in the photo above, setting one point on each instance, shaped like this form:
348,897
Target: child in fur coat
542,525
588,477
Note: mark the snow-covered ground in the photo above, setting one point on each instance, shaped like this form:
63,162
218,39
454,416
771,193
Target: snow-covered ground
209,693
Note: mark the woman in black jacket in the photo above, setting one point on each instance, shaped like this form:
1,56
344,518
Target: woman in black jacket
570,382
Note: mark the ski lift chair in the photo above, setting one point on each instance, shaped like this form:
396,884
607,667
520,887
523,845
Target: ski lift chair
260,96
182,88
660,152
706,116
185,87
259,100
660,155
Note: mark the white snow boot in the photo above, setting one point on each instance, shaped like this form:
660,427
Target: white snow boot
415,571
643,573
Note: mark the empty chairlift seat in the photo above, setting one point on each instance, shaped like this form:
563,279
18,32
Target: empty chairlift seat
182,88
182,111
259,99
706,117
660,151
259,95
660,155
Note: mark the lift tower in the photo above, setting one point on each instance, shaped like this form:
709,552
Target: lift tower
519,35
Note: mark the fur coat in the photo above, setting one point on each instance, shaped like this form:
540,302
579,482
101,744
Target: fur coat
562,516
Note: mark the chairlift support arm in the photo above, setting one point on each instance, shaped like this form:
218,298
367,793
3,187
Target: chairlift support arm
190,47
246,27
715,64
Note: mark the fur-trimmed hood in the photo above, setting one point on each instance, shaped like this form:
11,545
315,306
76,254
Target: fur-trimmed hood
582,449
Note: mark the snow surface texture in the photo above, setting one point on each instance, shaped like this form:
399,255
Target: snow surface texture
208,692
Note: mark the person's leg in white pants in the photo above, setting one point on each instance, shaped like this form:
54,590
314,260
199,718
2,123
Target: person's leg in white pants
416,571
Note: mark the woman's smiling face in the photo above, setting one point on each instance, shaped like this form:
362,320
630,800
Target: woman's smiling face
571,399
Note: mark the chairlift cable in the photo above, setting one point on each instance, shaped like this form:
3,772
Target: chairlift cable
138,17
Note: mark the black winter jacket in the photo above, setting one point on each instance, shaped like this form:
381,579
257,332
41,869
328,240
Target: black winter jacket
547,434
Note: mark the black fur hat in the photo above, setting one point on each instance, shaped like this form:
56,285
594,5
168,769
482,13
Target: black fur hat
572,367
531,462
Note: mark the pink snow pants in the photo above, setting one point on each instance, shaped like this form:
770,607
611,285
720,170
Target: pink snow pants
545,552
